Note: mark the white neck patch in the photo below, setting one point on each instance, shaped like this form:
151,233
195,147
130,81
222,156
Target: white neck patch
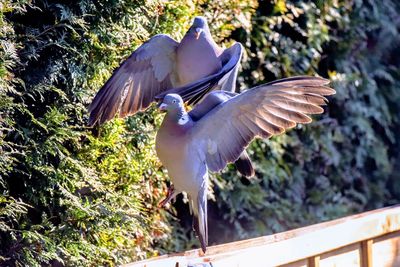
183,120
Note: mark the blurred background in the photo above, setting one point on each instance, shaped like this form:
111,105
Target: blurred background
73,195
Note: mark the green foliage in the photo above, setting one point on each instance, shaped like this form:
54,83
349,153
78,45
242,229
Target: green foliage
73,195
345,161
79,196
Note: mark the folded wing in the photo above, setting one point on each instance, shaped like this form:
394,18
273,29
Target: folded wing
146,73
266,110
210,101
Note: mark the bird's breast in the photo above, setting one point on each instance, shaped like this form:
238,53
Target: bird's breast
170,144
196,59
180,159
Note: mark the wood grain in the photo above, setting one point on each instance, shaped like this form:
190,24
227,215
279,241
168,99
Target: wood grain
297,245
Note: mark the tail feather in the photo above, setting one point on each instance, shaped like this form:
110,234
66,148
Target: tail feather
244,166
200,219
201,236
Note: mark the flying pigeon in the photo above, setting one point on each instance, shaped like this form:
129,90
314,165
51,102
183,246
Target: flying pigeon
219,128
162,65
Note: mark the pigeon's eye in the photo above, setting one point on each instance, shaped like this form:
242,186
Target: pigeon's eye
174,101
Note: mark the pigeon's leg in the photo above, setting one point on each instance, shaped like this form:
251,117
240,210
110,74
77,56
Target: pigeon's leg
170,195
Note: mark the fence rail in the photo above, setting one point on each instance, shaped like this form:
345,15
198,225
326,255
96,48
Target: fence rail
367,239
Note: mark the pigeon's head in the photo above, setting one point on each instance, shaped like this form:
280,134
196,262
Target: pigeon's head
171,102
199,26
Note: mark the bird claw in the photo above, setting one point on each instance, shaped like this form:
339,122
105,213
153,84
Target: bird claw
170,195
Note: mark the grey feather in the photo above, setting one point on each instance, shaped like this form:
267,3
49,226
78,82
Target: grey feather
263,111
244,165
200,218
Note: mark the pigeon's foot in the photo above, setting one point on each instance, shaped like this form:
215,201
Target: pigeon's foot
170,194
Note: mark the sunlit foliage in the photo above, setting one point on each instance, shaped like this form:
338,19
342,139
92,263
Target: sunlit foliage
71,194
78,196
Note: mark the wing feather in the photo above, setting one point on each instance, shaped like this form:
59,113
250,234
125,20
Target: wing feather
297,106
278,121
263,111
293,116
135,83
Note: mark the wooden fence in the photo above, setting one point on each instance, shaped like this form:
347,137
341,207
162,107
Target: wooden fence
367,239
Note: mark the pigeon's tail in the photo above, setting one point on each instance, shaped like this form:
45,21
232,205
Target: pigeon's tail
244,166
200,219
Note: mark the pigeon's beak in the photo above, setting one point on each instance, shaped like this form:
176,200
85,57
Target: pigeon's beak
162,107
198,32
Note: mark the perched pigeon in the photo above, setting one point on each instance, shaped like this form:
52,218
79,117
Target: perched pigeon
217,132
161,65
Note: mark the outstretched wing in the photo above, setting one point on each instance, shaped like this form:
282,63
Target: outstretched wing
146,73
225,79
266,110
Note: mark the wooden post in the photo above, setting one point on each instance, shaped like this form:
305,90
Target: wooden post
366,253
313,261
